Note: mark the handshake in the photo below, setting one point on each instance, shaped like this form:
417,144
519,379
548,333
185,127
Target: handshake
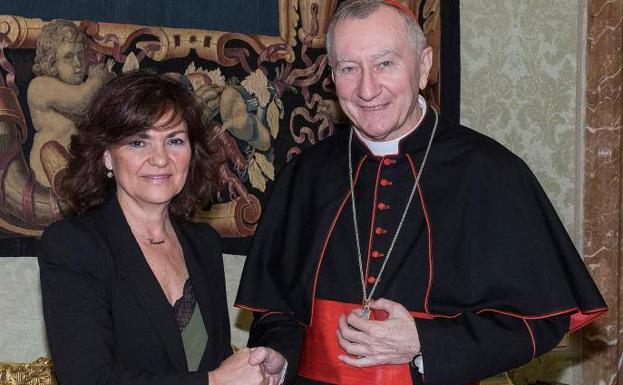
250,366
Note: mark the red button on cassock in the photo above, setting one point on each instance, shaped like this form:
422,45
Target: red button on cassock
371,280
385,182
380,231
382,206
376,254
388,161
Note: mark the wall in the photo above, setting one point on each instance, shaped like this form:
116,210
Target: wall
522,83
519,78
21,319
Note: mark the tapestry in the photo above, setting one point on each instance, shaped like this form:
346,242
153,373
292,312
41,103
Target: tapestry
267,97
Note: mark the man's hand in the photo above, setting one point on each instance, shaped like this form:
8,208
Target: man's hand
370,342
272,362
235,370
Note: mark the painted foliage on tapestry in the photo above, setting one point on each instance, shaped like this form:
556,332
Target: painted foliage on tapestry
267,97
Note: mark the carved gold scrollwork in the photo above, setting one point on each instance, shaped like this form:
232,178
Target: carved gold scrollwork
432,30
237,218
259,43
171,43
10,110
19,31
288,20
29,205
167,43
315,18
39,372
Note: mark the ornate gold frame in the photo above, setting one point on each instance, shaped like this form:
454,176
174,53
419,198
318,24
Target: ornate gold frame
171,43
39,372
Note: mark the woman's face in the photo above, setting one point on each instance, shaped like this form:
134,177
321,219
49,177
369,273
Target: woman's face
151,168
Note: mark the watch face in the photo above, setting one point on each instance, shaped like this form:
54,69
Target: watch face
418,362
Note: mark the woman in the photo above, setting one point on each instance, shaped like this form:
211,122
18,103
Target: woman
133,294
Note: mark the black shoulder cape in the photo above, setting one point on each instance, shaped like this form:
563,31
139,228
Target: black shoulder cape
497,243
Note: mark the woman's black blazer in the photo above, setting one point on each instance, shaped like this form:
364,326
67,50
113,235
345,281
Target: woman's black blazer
107,318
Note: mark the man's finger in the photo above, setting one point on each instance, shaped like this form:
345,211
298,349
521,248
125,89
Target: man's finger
362,362
354,320
349,332
394,309
352,347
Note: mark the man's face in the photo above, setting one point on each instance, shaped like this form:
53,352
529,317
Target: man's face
378,75
70,62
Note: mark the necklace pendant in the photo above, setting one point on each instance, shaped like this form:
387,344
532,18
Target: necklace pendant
365,313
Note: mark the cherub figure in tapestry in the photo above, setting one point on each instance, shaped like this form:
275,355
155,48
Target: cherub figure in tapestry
249,112
59,94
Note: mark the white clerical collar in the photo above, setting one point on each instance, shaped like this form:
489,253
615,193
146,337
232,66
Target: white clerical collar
390,147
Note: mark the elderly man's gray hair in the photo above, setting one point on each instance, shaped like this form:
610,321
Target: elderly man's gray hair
361,9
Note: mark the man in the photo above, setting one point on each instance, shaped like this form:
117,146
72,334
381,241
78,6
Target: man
58,96
409,249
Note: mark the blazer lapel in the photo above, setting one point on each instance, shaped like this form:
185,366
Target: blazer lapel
144,285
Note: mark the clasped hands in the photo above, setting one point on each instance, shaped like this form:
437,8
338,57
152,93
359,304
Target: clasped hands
367,342
371,342
249,366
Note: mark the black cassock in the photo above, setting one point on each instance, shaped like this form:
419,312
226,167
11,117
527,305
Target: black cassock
482,261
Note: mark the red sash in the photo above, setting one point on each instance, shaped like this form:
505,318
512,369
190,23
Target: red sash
319,360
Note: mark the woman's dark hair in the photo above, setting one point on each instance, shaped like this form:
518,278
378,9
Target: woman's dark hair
126,106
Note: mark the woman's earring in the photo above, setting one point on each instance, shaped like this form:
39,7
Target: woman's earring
109,174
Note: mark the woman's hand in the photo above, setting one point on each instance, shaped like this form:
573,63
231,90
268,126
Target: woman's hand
236,370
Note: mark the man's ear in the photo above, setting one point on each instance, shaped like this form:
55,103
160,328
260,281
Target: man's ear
426,63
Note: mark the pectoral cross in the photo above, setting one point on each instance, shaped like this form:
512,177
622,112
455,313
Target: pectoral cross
365,313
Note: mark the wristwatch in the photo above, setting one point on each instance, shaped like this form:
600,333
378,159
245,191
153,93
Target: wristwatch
418,362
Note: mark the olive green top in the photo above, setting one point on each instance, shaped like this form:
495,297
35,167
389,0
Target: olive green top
195,339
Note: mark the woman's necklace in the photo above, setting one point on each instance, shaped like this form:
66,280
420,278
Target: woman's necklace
150,240
367,297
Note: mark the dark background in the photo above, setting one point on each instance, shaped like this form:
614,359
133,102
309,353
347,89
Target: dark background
247,16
